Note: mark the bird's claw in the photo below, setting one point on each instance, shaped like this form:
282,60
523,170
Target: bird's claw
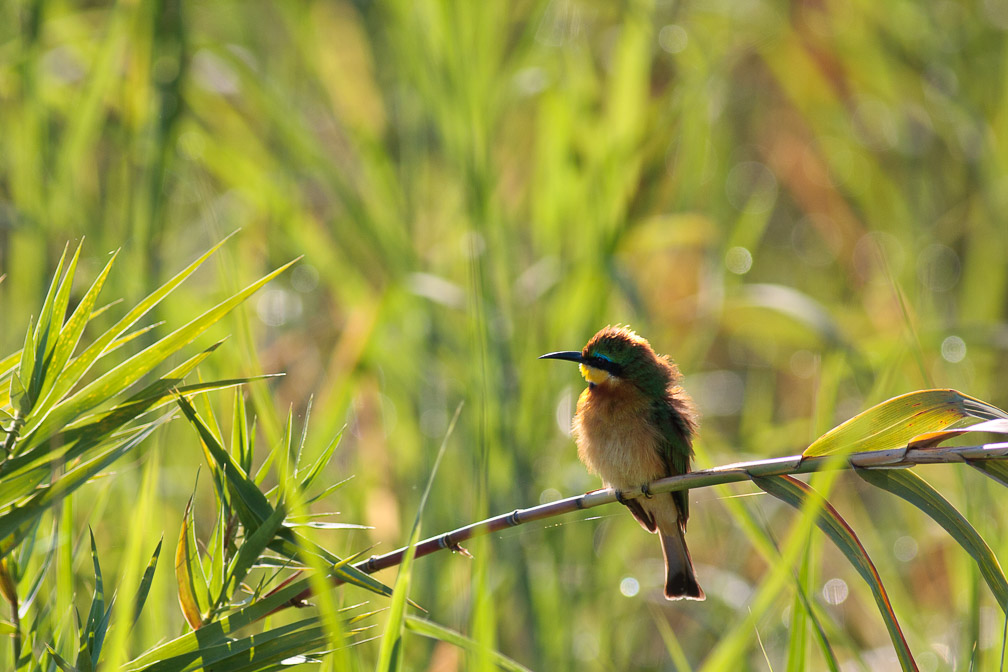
646,491
620,498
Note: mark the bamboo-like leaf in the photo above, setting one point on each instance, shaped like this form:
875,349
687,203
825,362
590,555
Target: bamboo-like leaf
262,651
69,335
145,584
23,472
252,547
253,508
61,662
323,459
127,373
33,360
439,632
82,364
187,646
15,522
96,625
240,445
19,398
185,577
917,491
894,423
795,492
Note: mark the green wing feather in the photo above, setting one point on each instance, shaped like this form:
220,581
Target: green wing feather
676,448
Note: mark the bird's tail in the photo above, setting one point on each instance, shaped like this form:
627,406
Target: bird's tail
680,579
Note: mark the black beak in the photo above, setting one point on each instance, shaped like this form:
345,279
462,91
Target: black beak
569,355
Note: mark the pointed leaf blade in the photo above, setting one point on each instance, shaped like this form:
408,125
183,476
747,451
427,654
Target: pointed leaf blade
917,491
185,552
894,423
795,492
145,584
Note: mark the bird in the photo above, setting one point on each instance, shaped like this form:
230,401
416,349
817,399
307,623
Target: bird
634,424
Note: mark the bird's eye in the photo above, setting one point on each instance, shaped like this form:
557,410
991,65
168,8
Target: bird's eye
602,357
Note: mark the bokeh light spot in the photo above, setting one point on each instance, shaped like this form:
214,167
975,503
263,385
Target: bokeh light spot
673,38
905,548
277,307
804,363
629,586
549,495
835,591
953,349
738,260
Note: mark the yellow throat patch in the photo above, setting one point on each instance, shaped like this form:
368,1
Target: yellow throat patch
593,375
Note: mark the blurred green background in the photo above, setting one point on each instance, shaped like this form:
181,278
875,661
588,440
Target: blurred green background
803,203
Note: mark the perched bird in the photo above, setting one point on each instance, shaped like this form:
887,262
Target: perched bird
634,424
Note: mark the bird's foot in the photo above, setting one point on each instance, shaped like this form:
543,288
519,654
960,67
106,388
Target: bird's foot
646,491
620,498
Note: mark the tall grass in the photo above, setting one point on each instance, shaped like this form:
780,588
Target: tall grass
801,203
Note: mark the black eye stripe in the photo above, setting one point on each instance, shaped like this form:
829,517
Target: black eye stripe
604,363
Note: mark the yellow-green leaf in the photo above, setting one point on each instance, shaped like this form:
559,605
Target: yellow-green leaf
185,553
896,422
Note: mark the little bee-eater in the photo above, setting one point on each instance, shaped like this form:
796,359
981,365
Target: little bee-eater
634,424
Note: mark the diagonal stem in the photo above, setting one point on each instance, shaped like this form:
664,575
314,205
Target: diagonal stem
899,458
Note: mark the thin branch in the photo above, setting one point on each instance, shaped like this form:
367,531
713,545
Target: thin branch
898,458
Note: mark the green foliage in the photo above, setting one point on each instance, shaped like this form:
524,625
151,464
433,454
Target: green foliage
802,204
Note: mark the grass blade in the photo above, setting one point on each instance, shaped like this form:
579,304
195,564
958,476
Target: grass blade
390,653
185,577
795,493
145,584
441,633
917,491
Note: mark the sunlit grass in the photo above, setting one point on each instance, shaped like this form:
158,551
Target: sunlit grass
475,184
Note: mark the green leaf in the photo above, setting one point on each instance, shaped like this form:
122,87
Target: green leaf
133,369
917,491
19,397
185,577
145,584
33,362
894,423
96,626
795,493
323,459
996,469
69,336
797,658
253,508
441,633
61,662
189,646
252,547
16,521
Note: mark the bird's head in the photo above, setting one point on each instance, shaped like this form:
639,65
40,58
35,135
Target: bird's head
617,354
